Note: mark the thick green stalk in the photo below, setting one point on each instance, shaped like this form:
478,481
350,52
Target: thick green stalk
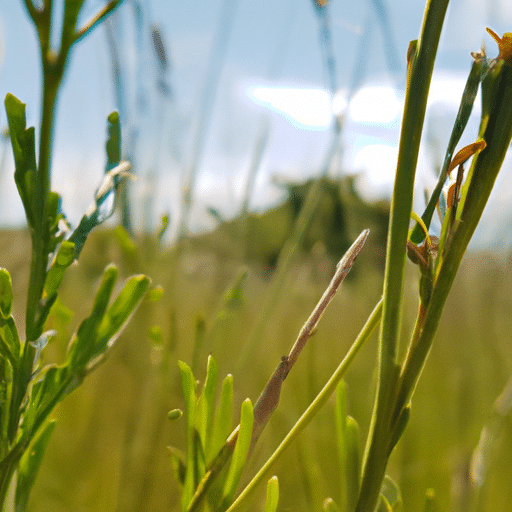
52,66
377,451
40,234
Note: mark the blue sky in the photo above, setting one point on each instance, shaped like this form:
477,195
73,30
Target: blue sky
271,46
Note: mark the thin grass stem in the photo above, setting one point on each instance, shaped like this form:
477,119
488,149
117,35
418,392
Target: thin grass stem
314,407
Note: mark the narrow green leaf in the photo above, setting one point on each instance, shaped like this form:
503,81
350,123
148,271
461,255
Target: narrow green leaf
240,453
5,294
29,465
46,391
113,145
430,501
10,341
233,296
61,261
188,383
199,460
223,423
341,407
5,393
15,110
61,313
340,413
121,310
330,506
178,464
206,404
399,429
104,292
82,343
54,384
353,467
199,337
24,150
125,240
272,499
100,331
466,106
54,220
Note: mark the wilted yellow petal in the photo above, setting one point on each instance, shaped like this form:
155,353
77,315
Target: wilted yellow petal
504,44
465,154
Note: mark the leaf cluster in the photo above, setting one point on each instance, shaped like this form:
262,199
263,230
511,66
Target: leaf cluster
29,390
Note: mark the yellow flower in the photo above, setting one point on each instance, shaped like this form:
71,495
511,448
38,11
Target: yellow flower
504,44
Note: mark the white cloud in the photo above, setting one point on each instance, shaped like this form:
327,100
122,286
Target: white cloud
310,109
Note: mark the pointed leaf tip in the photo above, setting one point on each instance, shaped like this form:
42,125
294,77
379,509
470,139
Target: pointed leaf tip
272,498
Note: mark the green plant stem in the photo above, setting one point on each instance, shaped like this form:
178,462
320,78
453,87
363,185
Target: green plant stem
7,468
418,353
40,233
377,450
482,175
52,65
313,408
98,18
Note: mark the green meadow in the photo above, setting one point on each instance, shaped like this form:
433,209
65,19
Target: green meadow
109,450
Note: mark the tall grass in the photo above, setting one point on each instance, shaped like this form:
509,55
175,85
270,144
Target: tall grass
221,311
466,370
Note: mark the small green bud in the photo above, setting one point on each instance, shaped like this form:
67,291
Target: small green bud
175,414
155,294
5,294
155,335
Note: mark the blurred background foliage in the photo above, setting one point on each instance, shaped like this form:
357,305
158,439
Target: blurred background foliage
109,448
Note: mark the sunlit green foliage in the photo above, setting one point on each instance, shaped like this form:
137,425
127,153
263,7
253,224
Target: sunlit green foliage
29,390
227,307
